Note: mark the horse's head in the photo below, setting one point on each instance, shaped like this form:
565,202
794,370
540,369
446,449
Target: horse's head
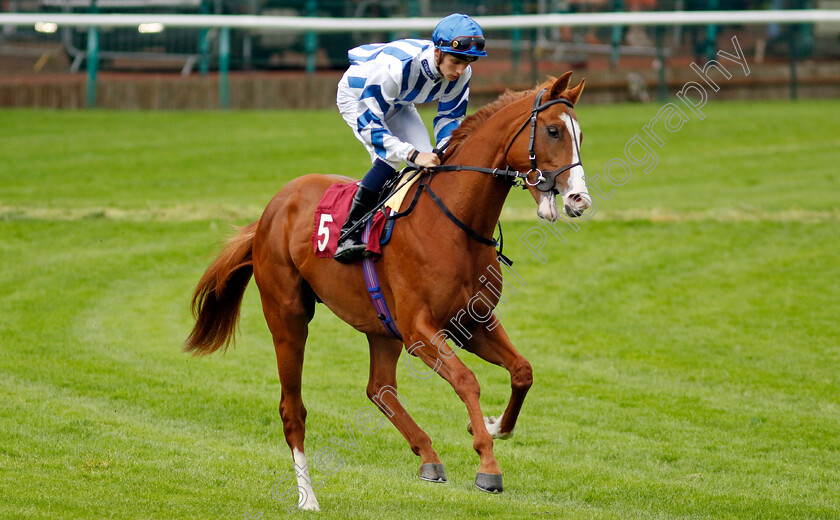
548,145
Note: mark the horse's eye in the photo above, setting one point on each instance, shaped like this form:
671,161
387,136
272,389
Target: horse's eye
553,132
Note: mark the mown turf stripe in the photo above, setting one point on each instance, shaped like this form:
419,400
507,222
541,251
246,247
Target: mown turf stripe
196,212
181,213
717,215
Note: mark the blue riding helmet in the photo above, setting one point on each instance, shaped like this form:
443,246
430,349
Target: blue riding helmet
460,35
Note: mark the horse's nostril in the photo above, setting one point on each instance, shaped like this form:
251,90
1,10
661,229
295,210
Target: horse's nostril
579,202
572,212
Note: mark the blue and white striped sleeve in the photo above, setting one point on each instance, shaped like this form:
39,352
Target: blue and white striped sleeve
452,107
381,89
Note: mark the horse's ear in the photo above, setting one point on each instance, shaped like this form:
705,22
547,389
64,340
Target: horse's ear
560,86
574,94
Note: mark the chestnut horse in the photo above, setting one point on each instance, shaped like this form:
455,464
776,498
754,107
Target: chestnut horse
429,273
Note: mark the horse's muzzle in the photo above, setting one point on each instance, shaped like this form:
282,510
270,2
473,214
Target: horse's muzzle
576,204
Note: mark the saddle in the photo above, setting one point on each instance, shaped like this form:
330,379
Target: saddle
332,210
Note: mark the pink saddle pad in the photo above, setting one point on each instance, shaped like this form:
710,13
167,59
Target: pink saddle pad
330,215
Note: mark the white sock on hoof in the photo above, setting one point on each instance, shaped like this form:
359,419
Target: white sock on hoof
307,502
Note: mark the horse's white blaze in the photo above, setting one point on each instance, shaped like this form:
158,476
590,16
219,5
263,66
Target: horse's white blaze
577,180
310,503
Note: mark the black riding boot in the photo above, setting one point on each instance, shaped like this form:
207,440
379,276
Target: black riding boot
352,248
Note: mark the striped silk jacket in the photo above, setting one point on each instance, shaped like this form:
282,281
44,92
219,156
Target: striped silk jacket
387,77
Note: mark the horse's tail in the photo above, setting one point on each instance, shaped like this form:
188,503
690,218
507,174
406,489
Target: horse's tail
218,296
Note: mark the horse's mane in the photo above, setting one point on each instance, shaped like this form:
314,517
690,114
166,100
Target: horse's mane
472,122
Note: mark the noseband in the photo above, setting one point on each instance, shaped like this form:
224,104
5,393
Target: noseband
544,181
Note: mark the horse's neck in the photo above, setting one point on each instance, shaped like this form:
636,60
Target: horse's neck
476,198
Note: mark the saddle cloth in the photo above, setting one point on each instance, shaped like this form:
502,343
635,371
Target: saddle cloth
331,213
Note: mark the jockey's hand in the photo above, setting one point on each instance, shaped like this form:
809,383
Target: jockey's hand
427,160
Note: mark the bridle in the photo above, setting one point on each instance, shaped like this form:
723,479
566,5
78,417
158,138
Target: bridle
544,181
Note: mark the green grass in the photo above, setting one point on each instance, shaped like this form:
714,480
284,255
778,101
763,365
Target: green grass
685,340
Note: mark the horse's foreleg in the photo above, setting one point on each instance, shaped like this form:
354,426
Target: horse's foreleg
382,390
495,347
447,365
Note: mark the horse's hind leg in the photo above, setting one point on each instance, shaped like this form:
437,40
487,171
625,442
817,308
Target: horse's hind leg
288,307
382,390
495,347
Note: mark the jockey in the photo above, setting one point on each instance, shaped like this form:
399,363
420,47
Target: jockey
376,98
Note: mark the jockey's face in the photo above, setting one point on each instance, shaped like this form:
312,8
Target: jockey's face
449,65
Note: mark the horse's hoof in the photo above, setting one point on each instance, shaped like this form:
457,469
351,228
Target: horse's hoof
489,482
433,472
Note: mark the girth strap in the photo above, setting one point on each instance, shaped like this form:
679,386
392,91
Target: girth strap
375,291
